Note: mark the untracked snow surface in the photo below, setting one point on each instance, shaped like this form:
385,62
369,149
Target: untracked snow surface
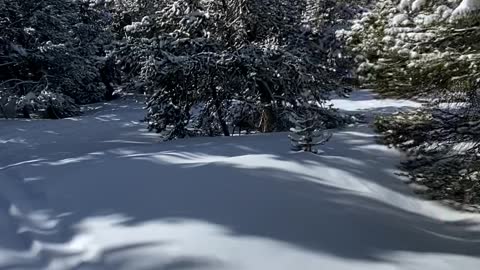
99,192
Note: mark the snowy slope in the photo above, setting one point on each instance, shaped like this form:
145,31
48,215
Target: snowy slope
98,192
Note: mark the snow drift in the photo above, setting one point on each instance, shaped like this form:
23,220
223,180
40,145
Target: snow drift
98,192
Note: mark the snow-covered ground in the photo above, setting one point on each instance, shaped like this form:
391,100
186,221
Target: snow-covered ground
99,192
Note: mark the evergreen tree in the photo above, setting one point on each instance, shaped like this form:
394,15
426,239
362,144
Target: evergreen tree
50,55
429,49
310,128
202,55
407,46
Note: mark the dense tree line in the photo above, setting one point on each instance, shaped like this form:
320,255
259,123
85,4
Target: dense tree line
216,67
418,47
207,66
232,62
428,50
51,54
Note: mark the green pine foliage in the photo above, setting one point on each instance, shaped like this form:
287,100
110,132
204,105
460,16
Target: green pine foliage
310,128
427,49
412,49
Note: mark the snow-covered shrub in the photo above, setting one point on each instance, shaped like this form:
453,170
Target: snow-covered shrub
8,106
168,119
443,153
47,105
241,115
310,129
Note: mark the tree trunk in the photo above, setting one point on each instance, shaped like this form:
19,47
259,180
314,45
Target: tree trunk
218,107
267,120
110,90
9,108
106,74
2,109
27,109
223,124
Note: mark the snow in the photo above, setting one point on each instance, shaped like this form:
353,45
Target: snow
466,6
404,5
400,19
364,101
99,192
418,4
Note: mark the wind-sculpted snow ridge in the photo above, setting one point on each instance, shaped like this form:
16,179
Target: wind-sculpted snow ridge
99,192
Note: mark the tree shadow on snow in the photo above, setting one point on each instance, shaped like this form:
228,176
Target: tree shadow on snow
175,205
346,203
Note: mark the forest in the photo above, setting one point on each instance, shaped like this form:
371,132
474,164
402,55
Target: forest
252,70
210,67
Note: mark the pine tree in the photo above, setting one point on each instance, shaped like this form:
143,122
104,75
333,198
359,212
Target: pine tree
428,49
202,55
50,55
310,129
407,46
